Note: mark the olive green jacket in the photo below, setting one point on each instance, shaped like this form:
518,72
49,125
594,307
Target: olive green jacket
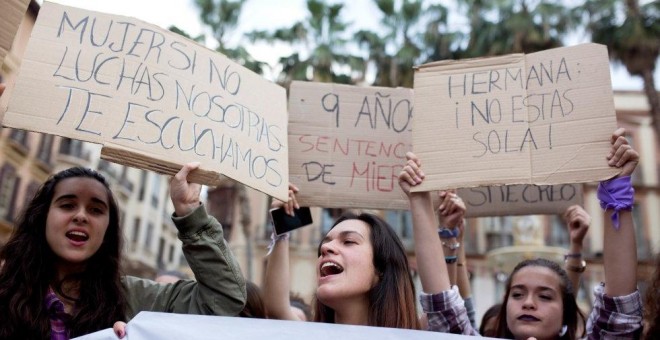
219,288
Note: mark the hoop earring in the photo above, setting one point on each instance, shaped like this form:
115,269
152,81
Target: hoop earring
563,331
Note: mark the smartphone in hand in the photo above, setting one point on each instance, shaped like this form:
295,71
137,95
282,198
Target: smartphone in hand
284,222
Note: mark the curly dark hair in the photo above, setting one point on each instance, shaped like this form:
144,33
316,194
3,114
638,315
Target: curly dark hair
392,301
29,269
572,315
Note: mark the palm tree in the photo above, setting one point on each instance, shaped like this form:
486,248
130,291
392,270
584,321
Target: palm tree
633,41
518,26
414,33
222,17
321,36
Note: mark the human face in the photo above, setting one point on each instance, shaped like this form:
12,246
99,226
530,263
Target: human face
78,217
345,268
534,305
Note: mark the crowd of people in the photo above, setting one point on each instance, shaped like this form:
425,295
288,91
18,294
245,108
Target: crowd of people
60,274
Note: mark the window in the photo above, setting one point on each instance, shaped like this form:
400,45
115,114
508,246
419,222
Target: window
9,182
19,136
155,190
30,192
328,218
150,232
401,222
143,184
45,148
72,147
170,258
499,232
160,255
559,236
136,229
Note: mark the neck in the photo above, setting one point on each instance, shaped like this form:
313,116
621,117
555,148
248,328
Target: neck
352,312
69,289
64,269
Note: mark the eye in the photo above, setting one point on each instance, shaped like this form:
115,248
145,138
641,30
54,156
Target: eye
98,211
546,297
516,295
350,242
67,206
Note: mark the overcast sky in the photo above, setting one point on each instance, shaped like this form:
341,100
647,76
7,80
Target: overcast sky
269,14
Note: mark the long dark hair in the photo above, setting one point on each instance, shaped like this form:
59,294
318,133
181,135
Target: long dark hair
254,304
571,312
29,269
392,300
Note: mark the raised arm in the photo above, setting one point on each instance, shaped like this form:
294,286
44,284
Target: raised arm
577,222
277,284
450,211
619,246
219,286
442,304
617,309
428,248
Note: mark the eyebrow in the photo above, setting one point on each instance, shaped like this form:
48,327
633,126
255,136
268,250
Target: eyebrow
542,288
342,234
72,196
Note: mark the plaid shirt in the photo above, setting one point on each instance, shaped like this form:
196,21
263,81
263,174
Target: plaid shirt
618,317
446,312
57,316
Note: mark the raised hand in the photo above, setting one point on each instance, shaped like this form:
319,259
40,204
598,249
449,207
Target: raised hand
184,195
411,174
622,155
452,209
290,204
577,222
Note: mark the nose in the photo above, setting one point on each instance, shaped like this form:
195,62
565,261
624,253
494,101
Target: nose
328,248
529,302
80,216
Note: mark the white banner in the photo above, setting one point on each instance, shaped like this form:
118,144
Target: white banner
150,325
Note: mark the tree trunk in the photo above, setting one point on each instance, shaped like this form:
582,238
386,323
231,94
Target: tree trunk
654,101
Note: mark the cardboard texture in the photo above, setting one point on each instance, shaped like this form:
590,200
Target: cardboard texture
11,15
348,144
542,118
523,199
154,99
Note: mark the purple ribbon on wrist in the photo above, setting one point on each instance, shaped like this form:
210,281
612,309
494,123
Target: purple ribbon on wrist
616,194
274,238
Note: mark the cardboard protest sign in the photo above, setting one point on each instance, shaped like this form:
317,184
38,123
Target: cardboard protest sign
348,144
542,118
11,15
522,199
150,325
154,99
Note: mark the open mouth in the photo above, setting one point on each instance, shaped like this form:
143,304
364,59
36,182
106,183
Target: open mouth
330,268
77,236
526,317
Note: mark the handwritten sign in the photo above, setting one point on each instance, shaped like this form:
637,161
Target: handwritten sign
524,199
348,144
155,100
542,118
151,325
11,15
